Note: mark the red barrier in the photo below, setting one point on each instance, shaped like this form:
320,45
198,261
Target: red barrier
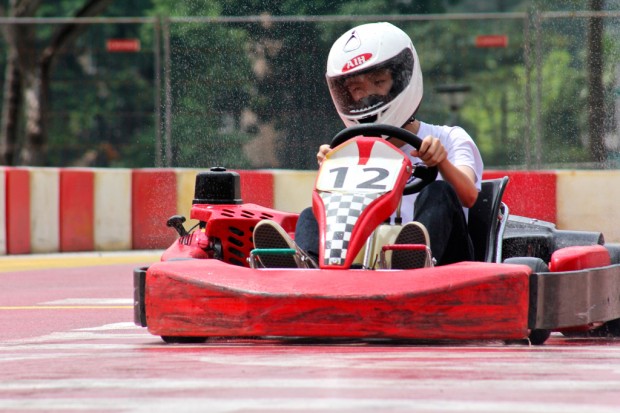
17,211
257,188
153,201
530,194
77,210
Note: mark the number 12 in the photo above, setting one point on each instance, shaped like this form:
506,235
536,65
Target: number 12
379,174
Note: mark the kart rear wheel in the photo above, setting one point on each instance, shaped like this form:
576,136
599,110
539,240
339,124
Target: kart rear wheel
183,340
535,263
609,329
612,328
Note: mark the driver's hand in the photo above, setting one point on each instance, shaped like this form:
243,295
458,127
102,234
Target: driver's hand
432,152
320,156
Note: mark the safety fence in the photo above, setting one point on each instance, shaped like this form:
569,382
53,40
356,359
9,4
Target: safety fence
45,210
249,92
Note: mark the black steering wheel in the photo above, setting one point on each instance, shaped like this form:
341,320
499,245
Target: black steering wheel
425,174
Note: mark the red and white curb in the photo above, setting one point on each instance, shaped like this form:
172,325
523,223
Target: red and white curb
45,210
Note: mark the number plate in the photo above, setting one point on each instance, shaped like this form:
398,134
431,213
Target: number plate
345,170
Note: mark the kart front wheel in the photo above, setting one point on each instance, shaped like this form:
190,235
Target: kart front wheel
183,340
538,337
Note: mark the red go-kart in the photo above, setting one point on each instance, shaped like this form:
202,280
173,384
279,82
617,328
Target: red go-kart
528,280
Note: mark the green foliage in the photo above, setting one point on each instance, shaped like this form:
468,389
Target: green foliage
220,72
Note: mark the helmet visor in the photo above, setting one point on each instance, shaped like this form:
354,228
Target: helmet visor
367,92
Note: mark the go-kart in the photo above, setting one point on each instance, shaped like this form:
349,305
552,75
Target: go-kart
528,278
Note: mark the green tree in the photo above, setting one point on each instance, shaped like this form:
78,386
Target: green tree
28,74
292,95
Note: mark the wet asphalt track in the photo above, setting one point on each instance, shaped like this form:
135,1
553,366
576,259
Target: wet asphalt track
68,344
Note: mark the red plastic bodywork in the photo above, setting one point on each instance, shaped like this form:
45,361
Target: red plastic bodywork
212,298
373,215
459,301
579,258
209,297
232,226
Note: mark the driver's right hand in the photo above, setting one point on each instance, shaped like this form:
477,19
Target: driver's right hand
323,150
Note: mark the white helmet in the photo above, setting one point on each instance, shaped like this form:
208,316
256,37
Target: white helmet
363,50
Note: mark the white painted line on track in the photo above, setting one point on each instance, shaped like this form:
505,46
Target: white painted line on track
97,334
237,376
83,254
90,301
341,383
112,327
331,404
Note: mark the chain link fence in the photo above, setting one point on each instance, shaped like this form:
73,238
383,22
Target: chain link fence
249,92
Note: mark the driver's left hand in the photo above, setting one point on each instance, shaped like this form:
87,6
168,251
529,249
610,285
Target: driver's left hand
431,152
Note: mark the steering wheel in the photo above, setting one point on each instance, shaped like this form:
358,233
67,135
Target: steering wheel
425,174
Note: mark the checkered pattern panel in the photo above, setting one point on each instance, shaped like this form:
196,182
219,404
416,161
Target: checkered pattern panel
341,214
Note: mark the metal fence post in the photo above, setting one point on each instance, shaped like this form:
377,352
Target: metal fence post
527,60
538,99
167,92
157,69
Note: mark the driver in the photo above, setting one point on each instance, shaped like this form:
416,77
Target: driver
374,76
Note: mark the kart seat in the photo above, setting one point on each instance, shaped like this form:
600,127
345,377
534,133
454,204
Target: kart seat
487,219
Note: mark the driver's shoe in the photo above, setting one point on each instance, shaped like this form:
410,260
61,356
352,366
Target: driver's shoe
269,235
413,233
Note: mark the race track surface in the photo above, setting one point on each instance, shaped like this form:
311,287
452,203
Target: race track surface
68,344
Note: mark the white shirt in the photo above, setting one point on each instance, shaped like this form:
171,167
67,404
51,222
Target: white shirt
461,149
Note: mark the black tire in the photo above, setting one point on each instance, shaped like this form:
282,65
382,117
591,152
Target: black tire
535,263
609,329
536,337
613,328
183,340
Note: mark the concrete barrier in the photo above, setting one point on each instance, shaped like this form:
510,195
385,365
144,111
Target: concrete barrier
293,190
588,200
44,210
112,209
82,209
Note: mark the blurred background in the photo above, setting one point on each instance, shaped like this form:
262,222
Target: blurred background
196,83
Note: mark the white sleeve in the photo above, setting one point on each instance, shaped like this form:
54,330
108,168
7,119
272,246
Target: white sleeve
462,151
